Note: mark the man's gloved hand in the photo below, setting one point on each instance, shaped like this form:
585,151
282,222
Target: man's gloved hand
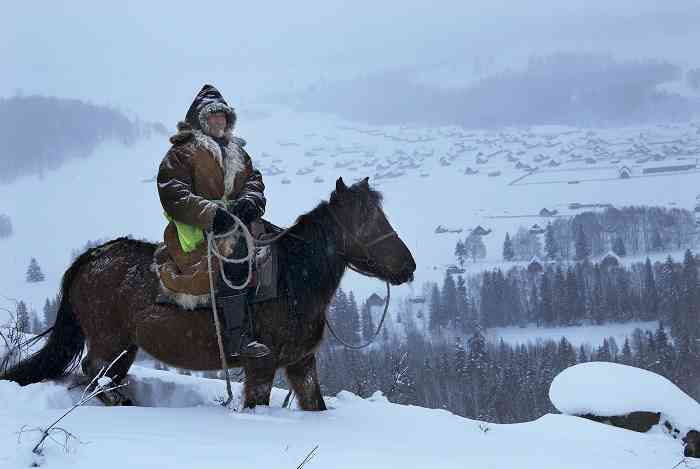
223,222
245,210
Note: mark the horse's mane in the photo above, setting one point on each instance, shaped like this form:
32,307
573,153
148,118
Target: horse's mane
315,257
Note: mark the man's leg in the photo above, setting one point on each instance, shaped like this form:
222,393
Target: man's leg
233,306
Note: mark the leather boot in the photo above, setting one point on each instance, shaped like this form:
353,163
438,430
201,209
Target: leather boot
237,336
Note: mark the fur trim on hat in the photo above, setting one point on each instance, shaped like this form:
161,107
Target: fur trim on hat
213,107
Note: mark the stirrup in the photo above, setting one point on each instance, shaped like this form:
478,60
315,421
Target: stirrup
254,349
250,348
163,299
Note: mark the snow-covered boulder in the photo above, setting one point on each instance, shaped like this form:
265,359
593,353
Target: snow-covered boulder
627,397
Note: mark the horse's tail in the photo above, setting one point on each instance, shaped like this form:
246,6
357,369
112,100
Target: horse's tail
61,353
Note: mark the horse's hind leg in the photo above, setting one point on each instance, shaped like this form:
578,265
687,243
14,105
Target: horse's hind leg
93,365
303,379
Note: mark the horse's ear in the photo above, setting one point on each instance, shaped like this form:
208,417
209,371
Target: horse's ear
340,186
365,183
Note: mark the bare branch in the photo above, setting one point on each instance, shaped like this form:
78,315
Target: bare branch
100,386
308,457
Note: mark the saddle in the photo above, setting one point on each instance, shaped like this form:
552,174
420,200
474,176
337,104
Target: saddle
185,282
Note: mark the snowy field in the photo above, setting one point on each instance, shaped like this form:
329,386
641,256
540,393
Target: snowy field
592,335
189,429
421,172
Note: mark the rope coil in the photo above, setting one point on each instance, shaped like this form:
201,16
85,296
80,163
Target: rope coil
212,249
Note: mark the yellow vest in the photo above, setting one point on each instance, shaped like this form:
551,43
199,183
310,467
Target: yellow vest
191,236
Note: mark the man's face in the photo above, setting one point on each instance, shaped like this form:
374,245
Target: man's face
217,124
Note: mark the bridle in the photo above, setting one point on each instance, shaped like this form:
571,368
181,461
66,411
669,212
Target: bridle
353,261
352,264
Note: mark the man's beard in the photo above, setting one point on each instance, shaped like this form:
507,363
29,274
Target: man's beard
216,132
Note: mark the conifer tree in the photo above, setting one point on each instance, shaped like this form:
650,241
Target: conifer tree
561,312
581,244
34,273
670,297
353,320
460,253
368,326
508,252
37,321
546,298
657,243
551,247
463,306
650,295
448,302
597,297
582,355
337,313
618,247
566,355
22,317
477,369
474,247
460,360
626,355
50,311
689,299
435,308
574,301
603,353
665,356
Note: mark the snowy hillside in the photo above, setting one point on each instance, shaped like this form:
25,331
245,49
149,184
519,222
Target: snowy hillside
189,429
421,172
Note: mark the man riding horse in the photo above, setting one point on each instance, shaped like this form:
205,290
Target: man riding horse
204,178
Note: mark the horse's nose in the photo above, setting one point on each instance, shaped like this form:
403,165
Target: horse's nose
408,268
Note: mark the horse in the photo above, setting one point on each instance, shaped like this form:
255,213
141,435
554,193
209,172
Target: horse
108,301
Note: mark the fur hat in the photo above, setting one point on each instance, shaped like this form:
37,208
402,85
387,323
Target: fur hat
208,101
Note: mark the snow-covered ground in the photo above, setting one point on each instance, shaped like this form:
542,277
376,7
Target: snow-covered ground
190,430
420,171
610,389
591,334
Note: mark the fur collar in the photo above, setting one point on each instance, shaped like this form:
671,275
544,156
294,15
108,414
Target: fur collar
234,162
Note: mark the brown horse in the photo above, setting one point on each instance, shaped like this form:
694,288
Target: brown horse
107,299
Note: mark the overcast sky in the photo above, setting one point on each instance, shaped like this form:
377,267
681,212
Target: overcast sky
152,57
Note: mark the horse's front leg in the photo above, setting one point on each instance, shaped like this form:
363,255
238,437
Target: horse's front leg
258,382
303,379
